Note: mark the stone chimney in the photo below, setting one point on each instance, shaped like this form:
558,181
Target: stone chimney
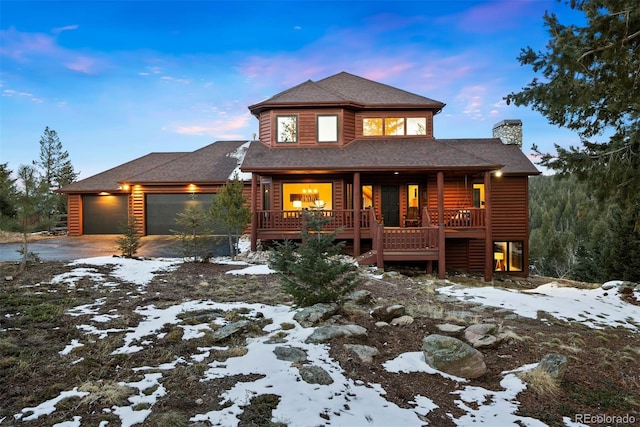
509,131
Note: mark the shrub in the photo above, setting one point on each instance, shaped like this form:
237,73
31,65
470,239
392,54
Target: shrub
129,242
314,271
193,223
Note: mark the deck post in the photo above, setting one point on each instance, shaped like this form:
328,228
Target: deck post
442,269
379,245
488,233
440,185
254,212
357,200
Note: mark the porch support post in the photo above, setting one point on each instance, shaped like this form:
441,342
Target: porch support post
440,184
442,268
488,230
357,199
254,212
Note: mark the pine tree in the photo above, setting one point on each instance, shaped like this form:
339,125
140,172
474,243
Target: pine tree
32,206
314,271
589,83
230,213
55,166
193,224
7,197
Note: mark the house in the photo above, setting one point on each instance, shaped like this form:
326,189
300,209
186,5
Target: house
153,189
358,152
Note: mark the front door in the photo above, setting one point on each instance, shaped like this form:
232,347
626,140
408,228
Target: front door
391,205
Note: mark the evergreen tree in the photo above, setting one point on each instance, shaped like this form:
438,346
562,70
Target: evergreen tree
230,212
314,271
7,197
55,166
32,206
193,224
129,242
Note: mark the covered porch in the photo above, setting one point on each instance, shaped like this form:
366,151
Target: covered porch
419,237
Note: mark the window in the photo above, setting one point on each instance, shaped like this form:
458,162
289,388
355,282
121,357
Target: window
327,128
412,196
394,126
508,256
416,126
367,196
372,127
307,195
286,129
375,126
478,195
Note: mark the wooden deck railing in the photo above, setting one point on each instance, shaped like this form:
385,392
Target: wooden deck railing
292,220
458,218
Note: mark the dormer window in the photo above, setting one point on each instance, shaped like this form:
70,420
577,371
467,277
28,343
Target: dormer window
287,129
328,128
398,126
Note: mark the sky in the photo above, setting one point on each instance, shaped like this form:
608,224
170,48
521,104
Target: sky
344,402
117,79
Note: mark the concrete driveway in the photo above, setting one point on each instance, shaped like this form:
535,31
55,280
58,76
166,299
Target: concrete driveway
68,248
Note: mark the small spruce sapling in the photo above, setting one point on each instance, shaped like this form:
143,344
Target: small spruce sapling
129,242
314,271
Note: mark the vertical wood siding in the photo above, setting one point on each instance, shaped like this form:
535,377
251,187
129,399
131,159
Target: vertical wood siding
74,214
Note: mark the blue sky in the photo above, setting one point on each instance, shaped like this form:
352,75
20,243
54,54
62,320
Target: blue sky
119,79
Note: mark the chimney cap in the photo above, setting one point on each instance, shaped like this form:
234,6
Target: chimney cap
508,122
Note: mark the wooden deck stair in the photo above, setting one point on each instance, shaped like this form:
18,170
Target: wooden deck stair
406,244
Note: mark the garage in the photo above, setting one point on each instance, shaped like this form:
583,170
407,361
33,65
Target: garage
104,214
162,210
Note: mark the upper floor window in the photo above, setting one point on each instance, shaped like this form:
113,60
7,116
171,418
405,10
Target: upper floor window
374,126
286,128
328,128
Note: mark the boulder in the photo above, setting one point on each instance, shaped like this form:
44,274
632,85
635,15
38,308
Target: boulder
309,316
326,333
482,335
290,354
230,329
364,353
315,375
452,356
388,312
449,328
361,297
554,364
402,320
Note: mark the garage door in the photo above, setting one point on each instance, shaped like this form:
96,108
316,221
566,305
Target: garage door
104,214
162,210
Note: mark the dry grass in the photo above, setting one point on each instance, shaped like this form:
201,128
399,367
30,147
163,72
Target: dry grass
15,237
540,382
105,393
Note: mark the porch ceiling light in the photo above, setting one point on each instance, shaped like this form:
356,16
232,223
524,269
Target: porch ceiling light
498,173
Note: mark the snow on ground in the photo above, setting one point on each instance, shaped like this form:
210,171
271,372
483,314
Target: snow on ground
596,308
346,402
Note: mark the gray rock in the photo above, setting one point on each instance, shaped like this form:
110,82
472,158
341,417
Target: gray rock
449,328
361,297
364,353
315,375
290,354
326,333
402,320
450,355
381,324
388,312
482,335
309,316
230,329
554,364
